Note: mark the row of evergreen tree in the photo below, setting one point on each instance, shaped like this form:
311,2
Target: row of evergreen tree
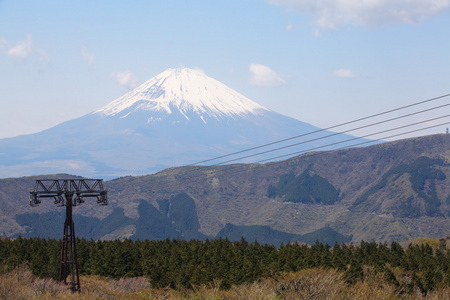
185,263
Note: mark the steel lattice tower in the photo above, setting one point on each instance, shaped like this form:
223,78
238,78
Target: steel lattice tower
74,191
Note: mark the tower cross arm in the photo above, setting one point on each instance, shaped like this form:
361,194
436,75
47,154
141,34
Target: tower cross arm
56,188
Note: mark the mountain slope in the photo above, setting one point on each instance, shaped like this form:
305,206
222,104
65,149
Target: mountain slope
392,191
176,118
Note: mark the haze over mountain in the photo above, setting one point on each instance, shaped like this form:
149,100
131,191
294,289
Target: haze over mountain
176,118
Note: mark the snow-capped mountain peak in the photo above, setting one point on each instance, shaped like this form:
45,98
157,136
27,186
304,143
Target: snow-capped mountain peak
185,90
176,118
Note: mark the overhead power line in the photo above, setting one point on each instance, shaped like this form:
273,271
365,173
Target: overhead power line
367,142
324,129
238,168
332,144
339,133
192,171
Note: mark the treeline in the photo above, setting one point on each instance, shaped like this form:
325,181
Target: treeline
176,263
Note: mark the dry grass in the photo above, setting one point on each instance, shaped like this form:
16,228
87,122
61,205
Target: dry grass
307,284
12,284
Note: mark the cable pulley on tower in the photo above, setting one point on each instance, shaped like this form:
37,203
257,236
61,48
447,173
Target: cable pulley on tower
56,188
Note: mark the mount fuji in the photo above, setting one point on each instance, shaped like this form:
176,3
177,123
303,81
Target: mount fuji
178,117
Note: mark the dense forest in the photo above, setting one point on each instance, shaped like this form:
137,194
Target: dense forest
178,263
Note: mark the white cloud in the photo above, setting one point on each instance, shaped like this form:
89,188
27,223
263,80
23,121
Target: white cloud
289,27
344,73
88,57
330,14
200,70
264,76
23,49
3,43
124,79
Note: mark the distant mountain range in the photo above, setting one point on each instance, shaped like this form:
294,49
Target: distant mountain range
392,191
176,118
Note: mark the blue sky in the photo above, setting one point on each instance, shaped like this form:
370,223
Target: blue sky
322,62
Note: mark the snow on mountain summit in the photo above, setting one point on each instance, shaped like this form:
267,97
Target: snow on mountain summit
176,118
184,90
